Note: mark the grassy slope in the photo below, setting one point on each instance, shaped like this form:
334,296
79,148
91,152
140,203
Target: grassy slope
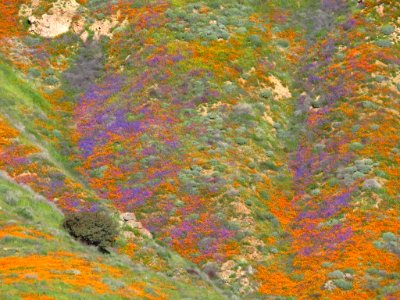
39,242
23,106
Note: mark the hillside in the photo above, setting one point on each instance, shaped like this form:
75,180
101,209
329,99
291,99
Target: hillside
256,142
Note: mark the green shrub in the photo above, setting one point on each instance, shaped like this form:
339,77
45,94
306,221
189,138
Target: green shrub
273,250
51,80
266,94
255,40
374,126
100,16
384,43
248,202
380,78
315,192
343,284
337,274
389,236
333,181
33,72
283,43
264,195
92,228
326,264
387,29
369,104
268,165
49,71
241,141
356,146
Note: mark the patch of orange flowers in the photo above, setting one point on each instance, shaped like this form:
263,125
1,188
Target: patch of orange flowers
7,133
22,232
9,18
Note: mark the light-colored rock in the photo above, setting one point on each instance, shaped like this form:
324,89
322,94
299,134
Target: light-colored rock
105,27
128,216
63,16
241,208
253,241
56,22
329,285
78,25
252,254
379,10
84,36
203,109
245,283
231,273
143,231
378,200
134,224
280,91
250,270
395,36
267,116
348,276
25,11
129,219
227,270
35,3
129,235
371,184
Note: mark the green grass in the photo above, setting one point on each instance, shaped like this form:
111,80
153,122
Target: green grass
13,87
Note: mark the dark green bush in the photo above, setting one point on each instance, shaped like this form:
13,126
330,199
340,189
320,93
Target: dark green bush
92,228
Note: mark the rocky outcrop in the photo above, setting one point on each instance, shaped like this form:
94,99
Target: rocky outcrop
372,183
57,21
129,219
231,272
65,15
106,26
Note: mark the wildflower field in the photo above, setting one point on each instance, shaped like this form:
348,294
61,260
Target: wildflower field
247,149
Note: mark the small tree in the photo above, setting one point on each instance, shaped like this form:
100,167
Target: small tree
92,228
